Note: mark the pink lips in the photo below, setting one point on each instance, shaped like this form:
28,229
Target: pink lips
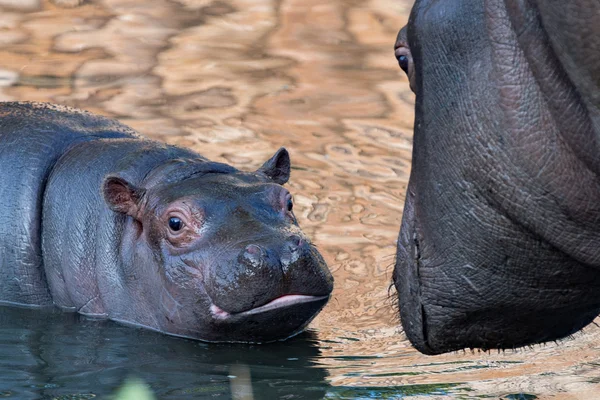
283,301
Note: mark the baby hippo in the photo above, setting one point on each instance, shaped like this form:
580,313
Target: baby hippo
96,219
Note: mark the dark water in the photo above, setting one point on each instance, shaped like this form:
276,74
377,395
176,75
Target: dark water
235,80
52,355
46,354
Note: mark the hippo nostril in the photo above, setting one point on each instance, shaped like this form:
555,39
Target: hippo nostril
291,253
253,253
294,243
253,249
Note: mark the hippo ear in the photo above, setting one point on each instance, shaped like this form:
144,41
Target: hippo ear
121,196
277,167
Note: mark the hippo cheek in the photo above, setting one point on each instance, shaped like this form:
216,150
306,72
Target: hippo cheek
188,318
183,305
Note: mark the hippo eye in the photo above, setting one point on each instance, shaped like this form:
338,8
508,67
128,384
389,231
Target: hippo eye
175,224
402,53
290,204
403,62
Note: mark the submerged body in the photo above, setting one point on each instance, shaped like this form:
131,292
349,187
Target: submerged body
500,239
96,219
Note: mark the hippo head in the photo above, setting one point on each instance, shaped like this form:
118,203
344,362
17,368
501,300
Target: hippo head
217,253
500,239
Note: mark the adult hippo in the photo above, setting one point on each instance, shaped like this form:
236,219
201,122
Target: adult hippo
98,220
500,238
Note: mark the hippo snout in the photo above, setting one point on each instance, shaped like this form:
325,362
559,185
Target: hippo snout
256,255
266,271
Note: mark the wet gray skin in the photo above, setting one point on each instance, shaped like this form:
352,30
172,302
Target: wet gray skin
99,220
500,238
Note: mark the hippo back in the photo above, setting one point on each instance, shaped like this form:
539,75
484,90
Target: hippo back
33,137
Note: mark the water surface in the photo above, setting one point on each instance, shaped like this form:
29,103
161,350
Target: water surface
235,80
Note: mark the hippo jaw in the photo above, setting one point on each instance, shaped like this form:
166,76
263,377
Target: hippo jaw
449,302
292,314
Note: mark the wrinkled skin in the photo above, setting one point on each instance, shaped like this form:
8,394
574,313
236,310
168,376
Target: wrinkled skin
500,239
98,220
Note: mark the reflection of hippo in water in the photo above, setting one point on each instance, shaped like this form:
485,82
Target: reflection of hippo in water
65,356
98,220
500,239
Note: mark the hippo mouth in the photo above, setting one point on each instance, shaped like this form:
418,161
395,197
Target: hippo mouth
278,303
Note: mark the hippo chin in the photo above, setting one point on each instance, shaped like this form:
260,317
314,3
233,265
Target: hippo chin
500,238
96,219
